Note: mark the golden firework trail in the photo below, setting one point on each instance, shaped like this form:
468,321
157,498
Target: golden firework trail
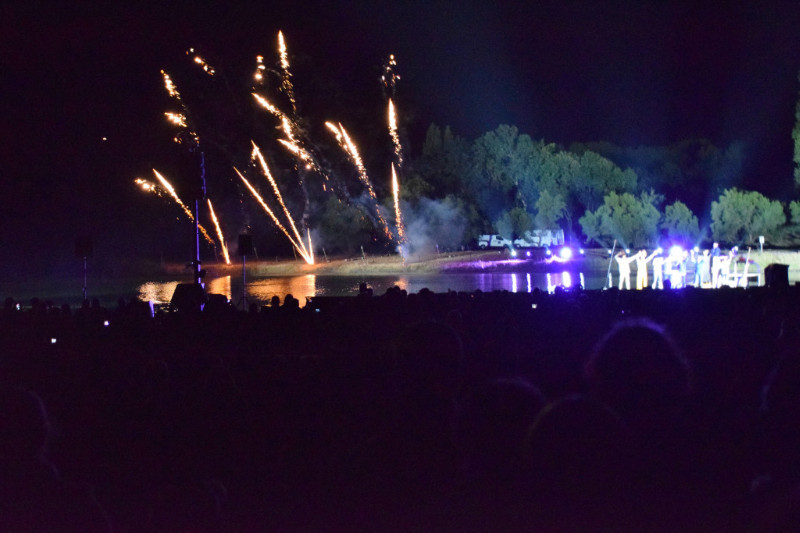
401,230
256,154
178,119
258,75
351,150
147,186
299,246
287,82
398,150
268,106
219,233
389,78
202,62
310,247
168,187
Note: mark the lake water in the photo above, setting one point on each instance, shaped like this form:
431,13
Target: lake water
261,290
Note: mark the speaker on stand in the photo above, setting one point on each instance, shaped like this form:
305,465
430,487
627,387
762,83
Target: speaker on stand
245,249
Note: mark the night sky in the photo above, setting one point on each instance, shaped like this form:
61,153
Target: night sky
632,73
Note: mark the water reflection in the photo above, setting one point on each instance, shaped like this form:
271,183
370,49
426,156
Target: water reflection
301,287
157,292
220,286
261,290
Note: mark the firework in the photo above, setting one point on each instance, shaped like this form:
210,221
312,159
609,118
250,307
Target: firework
299,246
202,62
389,78
219,233
268,106
258,75
178,119
351,150
147,186
287,82
398,150
267,174
401,230
171,190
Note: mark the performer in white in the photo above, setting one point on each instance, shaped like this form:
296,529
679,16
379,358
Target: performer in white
624,263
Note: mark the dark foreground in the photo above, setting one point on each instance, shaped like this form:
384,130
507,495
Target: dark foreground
428,411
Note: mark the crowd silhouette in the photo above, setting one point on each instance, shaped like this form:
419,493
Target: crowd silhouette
575,411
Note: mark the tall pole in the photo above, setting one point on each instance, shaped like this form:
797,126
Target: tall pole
85,279
198,277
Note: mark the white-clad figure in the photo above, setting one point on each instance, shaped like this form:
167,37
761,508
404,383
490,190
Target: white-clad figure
624,263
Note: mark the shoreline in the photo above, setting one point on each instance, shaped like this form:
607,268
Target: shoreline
499,261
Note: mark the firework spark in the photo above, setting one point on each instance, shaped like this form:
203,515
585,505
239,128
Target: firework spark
351,150
287,82
299,246
389,78
267,174
178,119
147,186
401,230
398,150
268,106
258,75
219,233
171,190
202,62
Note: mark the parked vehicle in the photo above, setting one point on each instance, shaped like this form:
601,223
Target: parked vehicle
540,238
494,241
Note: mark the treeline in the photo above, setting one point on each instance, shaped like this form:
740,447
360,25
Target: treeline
506,182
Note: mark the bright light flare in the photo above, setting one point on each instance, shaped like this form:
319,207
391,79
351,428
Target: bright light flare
565,253
219,233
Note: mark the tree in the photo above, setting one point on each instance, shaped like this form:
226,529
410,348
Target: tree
501,165
342,227
632,221
794,209
796,139
741,216
549,210
514,223
680,223
444,160
598,176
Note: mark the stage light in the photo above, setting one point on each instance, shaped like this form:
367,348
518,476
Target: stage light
528,253
676,250
548,252
105,323
52,340
565,253
581,251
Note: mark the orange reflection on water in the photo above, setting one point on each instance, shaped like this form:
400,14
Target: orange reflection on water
220,285
301,287
157,292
